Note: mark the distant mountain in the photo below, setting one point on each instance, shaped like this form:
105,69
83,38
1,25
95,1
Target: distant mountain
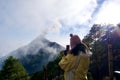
37,53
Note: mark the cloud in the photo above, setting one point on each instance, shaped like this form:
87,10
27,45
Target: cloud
109,12
83,15
26,19
7,47
38,15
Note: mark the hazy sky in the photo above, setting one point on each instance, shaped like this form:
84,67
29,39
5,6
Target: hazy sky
21,21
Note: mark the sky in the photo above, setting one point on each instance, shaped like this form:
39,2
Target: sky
21,21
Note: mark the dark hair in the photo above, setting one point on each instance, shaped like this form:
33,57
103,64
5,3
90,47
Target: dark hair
77,48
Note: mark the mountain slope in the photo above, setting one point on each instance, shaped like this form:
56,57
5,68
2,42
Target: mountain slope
37,54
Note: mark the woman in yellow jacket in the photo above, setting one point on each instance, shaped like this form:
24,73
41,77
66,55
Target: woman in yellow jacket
76,62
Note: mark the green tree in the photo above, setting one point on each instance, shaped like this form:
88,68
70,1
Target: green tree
98,39
13,70
93,40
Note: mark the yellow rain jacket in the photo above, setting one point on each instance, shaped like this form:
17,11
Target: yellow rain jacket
78,65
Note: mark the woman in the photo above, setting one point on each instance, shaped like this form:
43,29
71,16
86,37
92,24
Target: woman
76,62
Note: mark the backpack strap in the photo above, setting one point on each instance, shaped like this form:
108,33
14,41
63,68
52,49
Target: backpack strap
77,61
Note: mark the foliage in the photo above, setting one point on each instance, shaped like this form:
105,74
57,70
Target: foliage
98,39
37,75
13,70
52,69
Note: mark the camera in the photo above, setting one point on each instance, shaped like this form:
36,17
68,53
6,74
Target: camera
67,49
